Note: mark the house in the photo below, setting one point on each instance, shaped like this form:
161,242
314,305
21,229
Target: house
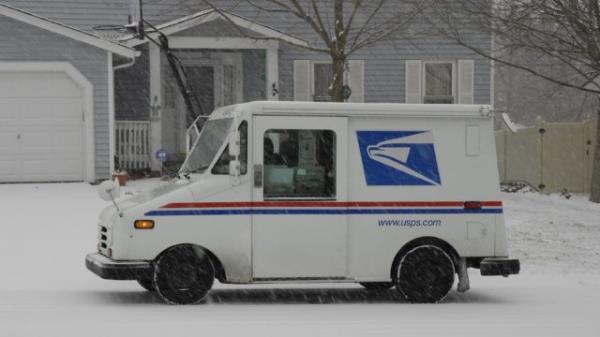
74,97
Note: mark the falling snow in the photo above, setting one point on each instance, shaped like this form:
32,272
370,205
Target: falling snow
46,290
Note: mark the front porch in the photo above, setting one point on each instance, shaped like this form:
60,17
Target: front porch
230,68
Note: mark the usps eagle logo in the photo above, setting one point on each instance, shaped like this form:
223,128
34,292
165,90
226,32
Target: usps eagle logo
392,158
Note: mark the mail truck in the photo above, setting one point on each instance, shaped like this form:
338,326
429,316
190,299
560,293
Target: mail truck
382,195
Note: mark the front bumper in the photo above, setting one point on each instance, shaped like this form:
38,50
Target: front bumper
110,269
499,266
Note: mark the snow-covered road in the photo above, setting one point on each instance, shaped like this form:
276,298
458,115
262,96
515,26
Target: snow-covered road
45,289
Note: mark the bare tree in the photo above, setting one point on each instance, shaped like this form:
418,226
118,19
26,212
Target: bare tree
531,100
341,27
560,32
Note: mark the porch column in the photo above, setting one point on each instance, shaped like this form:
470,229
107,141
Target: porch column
155,106
111,115
272,92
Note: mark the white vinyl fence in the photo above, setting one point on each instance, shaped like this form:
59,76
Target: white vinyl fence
552,156
133,145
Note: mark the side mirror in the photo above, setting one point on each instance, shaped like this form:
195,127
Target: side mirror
235,168
109,190
234,144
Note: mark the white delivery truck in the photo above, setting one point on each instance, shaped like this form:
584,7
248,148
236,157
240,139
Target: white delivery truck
378,194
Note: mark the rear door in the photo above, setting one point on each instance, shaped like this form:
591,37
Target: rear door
299,223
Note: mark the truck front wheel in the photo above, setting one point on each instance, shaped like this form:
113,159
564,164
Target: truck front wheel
425,274
183,275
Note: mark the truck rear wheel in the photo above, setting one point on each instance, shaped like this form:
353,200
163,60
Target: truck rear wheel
183,275
374,286
425,274
146,283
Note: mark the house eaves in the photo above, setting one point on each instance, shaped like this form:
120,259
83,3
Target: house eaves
208,15
67,31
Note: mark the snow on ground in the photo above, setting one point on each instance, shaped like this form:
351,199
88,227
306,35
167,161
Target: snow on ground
45,289
552,234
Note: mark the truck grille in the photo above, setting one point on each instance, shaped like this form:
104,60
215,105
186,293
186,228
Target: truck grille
103,239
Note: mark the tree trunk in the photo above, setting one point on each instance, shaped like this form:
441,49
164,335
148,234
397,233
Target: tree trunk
595,188
338,56
337,84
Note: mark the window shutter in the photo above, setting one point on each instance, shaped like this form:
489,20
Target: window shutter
466,71
302,80
413,85
356,81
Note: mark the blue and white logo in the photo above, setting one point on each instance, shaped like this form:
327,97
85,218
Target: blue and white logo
392,158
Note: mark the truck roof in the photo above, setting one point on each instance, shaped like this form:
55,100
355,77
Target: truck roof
355,109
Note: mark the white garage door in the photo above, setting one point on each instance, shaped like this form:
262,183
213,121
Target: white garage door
41,128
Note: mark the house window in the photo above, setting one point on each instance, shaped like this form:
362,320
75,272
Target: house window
322,75
312,80
299,164
439,83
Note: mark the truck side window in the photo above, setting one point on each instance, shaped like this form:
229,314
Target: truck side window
299,164
222,165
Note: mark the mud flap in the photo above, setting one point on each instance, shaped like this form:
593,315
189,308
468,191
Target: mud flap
463,276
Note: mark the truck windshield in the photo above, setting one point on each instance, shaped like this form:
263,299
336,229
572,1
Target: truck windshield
209,142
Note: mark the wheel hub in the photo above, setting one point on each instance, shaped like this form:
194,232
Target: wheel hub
184,276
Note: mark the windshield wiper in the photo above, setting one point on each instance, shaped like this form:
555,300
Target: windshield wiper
199,169
186,172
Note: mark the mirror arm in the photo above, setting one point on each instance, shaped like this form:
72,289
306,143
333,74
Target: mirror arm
110,189
116,206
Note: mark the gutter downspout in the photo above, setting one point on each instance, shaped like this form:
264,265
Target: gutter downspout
128,64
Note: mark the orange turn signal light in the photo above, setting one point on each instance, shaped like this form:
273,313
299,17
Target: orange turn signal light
143,224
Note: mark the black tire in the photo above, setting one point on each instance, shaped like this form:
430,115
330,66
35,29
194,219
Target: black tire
183,275
425,274
377,286
147,284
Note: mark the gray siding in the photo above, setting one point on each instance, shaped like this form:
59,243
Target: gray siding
384,69
86,14
384,62
28,43
218,27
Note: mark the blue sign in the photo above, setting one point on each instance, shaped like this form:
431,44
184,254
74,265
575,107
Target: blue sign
393,158
162,156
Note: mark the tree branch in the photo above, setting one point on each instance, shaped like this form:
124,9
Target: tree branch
225,16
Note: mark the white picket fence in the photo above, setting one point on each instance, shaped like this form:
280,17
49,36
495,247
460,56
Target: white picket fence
133,144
